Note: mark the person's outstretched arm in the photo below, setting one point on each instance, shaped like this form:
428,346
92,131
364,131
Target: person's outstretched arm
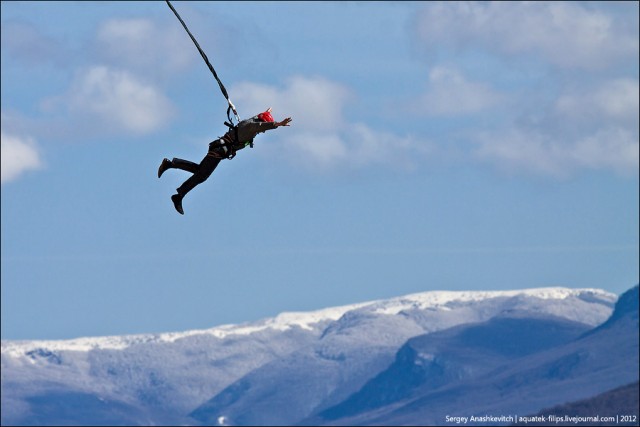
285,122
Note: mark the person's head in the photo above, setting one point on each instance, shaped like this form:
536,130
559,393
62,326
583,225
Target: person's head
266,116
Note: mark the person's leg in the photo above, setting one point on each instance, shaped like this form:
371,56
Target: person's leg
185,165
203,171
200,172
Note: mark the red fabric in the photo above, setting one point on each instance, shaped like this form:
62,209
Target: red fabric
266,117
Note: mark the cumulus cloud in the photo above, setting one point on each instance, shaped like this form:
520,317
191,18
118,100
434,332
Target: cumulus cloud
614,148
117,100
144,46
586,128
318,103
375,146
314,150
18,155
518,150
320,138
616,100
121,94
450,93
586,122
565,34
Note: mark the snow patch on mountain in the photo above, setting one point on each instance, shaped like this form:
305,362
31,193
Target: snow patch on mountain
363,341
432,300
277,370
445,299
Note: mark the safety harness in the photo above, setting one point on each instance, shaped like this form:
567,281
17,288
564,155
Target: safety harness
232,143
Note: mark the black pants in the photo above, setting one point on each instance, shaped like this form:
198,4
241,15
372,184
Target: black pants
200,171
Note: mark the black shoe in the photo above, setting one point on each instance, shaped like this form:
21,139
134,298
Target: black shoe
166,164
177,202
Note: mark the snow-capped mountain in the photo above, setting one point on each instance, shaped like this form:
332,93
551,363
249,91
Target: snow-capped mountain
503,366
246,374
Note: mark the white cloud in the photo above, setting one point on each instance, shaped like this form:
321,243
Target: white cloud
145,46
518,150
314,150
554,125
450,93
588,127
566,34
615,100
616,149
320,137
18,155
117,100
317,102
369,146
121,94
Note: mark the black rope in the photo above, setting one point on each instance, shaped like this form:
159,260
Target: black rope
206,60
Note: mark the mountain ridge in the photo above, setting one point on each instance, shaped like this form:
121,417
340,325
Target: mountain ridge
361,334
592,363
305,360
303,319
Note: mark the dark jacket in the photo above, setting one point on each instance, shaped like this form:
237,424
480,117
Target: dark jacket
246,131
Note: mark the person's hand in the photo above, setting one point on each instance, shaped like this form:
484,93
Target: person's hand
285,122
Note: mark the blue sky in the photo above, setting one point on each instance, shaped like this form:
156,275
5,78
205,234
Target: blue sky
434,146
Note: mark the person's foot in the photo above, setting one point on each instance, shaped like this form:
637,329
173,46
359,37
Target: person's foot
177,202
166,164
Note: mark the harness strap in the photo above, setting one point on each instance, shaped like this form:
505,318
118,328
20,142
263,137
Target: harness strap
206,60
236,140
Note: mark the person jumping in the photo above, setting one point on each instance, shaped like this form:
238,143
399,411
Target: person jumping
225,147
